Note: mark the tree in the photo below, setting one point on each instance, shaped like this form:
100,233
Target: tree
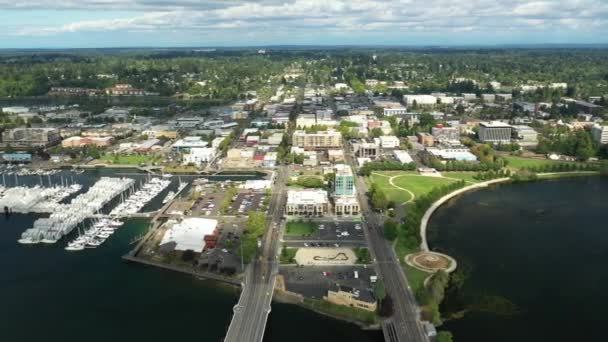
390,230
380,291
444,336
376,132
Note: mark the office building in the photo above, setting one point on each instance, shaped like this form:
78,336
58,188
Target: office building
309,202
351,297
344,183
495,132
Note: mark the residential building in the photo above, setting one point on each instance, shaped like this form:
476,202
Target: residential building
442,133
344,183
319,140
351,297
30,137
425,139
389,141
495,132
600,134
124,90
309,202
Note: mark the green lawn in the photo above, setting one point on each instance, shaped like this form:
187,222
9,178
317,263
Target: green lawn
393,194
520,162
299,228
123,159
420,185
341,311
415,277
288,255
467,176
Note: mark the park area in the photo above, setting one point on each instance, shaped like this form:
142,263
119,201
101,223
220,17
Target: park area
300,228
405,186
129,159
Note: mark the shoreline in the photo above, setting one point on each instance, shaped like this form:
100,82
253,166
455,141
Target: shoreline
437,204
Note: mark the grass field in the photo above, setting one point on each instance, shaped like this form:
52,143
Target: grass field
415,277
467,176
394,194
520,162
341,311
299,228
420,185
123,159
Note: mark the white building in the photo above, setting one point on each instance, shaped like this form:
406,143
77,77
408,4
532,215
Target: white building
15,110
389,141
420,100
310,202
402,156
199,155
600,134
216,142
392,111
341,86
346,205
188,143
189,234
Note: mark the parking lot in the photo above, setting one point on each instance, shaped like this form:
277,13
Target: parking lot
207,204
247,201
314,281
329,233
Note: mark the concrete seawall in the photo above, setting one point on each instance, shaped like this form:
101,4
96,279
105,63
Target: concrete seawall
429,212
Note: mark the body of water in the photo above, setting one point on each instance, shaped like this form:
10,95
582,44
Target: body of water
47,293
540,246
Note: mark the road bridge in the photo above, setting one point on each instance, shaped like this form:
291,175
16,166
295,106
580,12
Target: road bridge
252,310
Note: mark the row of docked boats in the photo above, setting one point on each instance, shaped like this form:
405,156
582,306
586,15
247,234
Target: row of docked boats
95,235
36,199
138,199
67,216
171,194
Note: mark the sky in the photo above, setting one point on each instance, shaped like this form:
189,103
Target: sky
190,23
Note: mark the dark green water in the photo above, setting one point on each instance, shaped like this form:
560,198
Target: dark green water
542,246
49,294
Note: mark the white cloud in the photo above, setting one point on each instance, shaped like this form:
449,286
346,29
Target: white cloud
317,16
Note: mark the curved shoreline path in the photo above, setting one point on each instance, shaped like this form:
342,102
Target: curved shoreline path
429,212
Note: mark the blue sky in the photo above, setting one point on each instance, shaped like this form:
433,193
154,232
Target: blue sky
118,23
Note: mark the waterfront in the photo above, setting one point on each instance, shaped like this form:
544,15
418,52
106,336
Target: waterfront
536,253
48,293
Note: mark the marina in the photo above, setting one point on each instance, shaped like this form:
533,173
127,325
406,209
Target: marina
137,200
67,216
36,199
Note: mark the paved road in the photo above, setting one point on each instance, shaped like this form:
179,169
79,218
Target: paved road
405,323
251,312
